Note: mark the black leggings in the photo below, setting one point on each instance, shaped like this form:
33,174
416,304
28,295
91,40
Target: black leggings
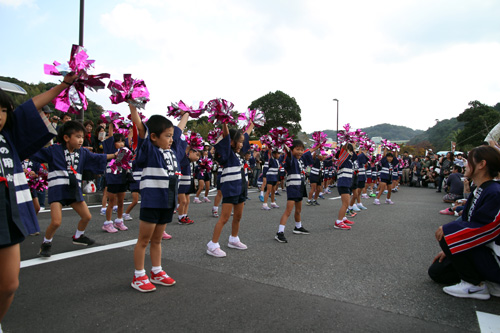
474,266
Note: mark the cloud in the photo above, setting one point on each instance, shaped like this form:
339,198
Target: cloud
18,3
386,61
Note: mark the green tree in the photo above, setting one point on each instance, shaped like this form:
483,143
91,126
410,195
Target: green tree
479,120
200,125
279,110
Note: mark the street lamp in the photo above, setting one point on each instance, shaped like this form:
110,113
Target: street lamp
336,100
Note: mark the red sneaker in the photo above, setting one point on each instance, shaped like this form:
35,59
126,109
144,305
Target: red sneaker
446,212
189,221
183,220
348,222
341,226
142,284
162,278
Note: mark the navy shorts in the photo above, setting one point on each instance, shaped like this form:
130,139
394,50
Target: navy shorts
117,188
361,184
344,190
156,215
272,182
66,202
237,199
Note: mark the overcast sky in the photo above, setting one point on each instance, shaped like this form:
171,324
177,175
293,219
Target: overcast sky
388,61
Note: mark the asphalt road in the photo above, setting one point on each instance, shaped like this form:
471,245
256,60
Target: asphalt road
372,278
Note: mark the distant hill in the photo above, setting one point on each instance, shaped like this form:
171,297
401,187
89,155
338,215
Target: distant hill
440,135
387,131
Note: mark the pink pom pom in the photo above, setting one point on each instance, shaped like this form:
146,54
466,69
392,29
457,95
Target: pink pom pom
176,109
73,99
131,90
213,135
220,111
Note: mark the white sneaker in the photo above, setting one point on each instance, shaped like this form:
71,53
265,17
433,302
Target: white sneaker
237,245
205,199
466,290
364,196
389,202
355,208
274,205
126,217
217,252
103,211
494,288
197,201
376,202
265,207
360,206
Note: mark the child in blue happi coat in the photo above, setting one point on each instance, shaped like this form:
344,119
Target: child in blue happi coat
67,161
233,187
23,131
295,165
162,146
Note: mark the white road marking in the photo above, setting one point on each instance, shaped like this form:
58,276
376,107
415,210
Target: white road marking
334,198
488,323
72,254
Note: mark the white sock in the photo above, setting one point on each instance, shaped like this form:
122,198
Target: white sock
215,208
338,221
196,198
78,233
115,207
262,193
156,269
234,239
264,205
350,207
45,240
298,225
181,216
281,228
108,222
118,220
320,193
212,246
343,219
139,273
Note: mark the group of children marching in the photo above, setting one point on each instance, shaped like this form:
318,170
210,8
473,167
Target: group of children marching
164,170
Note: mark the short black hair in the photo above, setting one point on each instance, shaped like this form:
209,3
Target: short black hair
65,115
157,124
69,128
117,137
297,143
235,134
389,155
6,102
458,168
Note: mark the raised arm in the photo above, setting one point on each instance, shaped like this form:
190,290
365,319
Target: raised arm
46,97
225,130
250,128
136,119
111,130
183,121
